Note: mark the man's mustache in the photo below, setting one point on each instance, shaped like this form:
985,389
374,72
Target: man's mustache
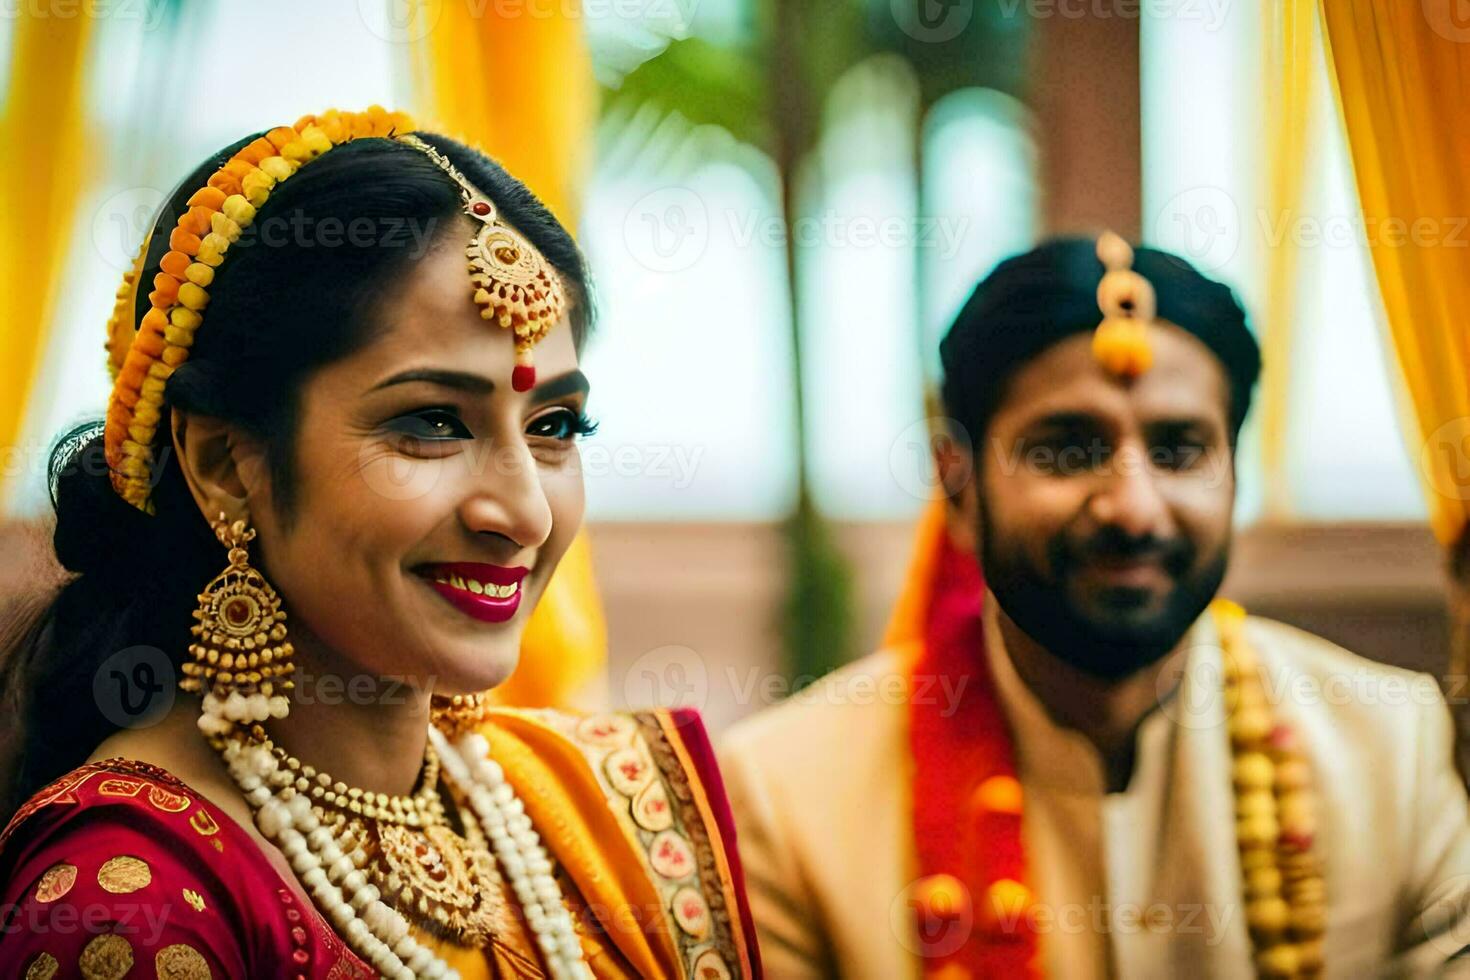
1113,544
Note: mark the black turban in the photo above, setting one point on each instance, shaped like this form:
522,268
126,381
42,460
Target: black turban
1048,294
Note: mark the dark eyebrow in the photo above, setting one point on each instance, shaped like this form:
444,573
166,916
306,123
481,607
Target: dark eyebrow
1064,420
574,382
462,380
1180,423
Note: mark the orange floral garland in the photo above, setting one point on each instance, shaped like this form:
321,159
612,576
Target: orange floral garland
216,215
972,905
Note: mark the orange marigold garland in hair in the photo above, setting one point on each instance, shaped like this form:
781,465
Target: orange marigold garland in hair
216,215
513,285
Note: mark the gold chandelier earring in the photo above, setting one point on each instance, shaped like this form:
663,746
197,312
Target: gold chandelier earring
241,658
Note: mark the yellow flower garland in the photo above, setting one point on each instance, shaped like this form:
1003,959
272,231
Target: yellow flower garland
1275,819
142,360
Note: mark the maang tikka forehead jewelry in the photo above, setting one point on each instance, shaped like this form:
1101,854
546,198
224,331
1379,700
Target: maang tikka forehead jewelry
514,285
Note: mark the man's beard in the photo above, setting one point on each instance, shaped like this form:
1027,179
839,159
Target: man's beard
1115,636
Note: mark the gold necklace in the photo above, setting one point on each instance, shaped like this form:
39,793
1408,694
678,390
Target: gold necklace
423,808
447,882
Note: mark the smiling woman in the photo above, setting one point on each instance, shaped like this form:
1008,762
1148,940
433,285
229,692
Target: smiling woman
357,371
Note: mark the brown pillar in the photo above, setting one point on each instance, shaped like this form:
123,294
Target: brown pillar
1084,92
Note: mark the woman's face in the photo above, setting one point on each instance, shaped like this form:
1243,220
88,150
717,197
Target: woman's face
433,501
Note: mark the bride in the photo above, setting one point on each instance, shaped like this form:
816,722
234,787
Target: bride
338,467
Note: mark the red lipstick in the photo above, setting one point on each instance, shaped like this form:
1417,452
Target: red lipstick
489,593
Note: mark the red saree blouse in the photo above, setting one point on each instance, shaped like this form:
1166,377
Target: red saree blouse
119,870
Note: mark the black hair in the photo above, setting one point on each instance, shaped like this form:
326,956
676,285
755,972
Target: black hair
282,306
1033,300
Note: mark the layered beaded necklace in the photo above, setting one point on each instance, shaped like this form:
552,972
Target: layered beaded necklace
356,852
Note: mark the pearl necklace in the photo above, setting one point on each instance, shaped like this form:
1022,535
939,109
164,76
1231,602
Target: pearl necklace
339,887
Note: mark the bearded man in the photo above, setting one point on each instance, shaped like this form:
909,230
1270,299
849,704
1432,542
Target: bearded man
1093,765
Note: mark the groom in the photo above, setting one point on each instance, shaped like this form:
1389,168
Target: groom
1138,780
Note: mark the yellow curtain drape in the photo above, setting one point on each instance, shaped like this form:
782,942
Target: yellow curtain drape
1401,73
1289,97
42,164
515,82
518,84
1402,77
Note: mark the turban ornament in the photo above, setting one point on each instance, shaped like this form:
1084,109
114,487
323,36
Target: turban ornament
1127,302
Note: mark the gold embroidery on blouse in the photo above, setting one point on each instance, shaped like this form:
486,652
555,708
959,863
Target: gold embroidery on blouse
166,801
118,786
203,823
195,900
43,967
56,882
124,874
108,957
181,962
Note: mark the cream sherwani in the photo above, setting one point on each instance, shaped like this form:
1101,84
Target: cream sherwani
1142,883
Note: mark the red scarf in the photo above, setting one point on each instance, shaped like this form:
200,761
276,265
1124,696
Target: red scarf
970,904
